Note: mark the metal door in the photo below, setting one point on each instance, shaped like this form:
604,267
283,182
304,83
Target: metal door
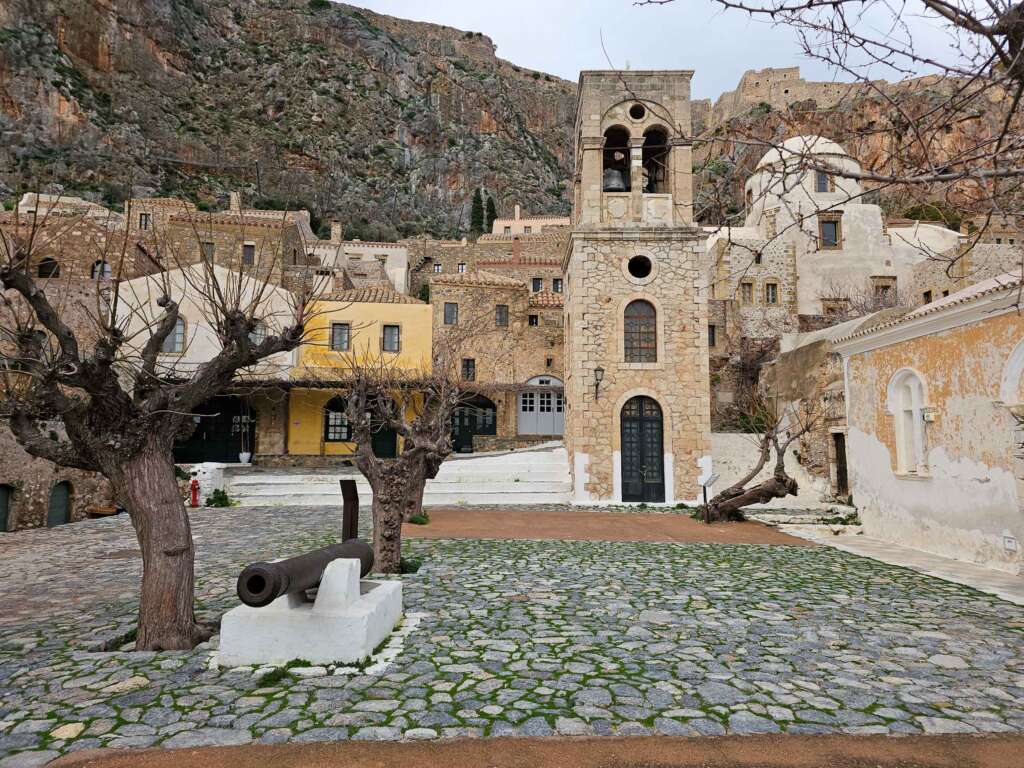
59,511
643,475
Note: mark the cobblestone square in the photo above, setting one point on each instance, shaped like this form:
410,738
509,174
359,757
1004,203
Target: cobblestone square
503,638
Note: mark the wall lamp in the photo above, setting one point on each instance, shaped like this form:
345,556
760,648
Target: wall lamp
598,378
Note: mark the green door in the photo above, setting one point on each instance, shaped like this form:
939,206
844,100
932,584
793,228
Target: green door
59,512
6,492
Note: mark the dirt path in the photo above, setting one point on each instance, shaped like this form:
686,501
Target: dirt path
729,752
583,525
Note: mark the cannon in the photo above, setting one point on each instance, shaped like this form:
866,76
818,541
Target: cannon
261,584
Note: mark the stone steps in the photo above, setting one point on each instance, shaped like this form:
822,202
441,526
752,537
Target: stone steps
533,476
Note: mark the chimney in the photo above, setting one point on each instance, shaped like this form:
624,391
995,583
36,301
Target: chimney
234,202
517,211
335,231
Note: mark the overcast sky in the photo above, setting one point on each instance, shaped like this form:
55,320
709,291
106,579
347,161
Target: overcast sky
564,36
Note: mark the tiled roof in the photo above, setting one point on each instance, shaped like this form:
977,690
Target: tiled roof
547,299
971,293
478,278
372,294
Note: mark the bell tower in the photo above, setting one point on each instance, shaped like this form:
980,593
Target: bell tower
636,348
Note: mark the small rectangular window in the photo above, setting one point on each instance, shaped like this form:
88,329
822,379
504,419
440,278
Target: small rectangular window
821,182
538,284
757,257
746,293
174,343
341,336
391,338
437,269
501,315
771,293
144,221
336,427
508,230
461,268
533,320
451,313
556,285
999,241
712,332
829,233
548,362
927,297
527,230
468,369
208,249
945,293
248,253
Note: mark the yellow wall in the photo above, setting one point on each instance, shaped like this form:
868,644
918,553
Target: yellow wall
366,320
306,423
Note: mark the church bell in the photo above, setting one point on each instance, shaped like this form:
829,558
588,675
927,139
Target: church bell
613,181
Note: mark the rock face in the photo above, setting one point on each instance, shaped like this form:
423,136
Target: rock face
388,124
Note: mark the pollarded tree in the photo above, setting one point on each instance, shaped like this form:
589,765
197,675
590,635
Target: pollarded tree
121,408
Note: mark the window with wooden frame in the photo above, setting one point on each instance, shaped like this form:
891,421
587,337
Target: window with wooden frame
336,426
391,338
461,268
341,337
823,182
538,284
207,250
501,315
746,292
533,320
830,231
712,335
640,332
451,313
468,369
771,293
438,269
556,285
145,221
248,254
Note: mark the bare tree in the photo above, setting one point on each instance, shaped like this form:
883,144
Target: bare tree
122,406
777,428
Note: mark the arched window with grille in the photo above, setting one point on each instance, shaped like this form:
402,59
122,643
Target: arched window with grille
336,426
640,332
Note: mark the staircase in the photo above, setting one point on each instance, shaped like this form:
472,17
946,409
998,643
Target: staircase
532,476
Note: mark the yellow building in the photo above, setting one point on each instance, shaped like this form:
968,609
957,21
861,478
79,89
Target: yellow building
354,327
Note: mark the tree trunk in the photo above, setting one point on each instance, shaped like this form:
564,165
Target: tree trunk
397,493
149,491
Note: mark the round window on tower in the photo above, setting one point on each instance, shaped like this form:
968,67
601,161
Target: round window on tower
637,112
639,267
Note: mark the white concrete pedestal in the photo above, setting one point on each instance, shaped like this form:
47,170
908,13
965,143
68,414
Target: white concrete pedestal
348,619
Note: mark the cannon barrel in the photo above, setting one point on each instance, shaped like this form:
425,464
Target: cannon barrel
261,583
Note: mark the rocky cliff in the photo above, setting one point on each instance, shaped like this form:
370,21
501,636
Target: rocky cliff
387,124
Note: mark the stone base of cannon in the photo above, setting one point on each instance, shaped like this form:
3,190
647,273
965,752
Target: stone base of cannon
347,620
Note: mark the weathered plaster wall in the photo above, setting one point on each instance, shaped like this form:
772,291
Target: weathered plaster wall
970,498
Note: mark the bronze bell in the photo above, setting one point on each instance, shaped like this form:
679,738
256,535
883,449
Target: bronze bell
614,181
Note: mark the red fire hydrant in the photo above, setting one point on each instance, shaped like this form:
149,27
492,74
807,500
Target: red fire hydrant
194,488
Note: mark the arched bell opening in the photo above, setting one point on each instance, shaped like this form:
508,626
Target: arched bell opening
655,161
615,165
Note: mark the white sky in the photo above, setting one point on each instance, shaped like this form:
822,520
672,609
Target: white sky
564,36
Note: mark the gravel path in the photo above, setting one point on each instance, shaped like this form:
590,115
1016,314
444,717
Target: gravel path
532,638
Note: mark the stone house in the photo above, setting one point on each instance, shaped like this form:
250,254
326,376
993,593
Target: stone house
365,263
934,418
511,344
526,225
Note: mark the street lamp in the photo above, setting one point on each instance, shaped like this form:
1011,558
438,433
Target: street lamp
598,378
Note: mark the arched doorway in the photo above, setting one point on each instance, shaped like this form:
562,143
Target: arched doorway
643,461
541,407
475,416
6,494
59,511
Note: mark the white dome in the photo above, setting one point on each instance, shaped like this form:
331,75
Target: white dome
801,146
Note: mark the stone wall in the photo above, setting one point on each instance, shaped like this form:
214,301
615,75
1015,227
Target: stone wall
934,278
31,480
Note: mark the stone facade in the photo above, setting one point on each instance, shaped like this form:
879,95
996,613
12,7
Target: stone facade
629,245
26,485
526,225
505,357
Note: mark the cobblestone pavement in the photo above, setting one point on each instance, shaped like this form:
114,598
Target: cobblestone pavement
513,638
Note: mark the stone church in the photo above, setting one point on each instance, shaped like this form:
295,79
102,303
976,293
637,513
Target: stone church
637,425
